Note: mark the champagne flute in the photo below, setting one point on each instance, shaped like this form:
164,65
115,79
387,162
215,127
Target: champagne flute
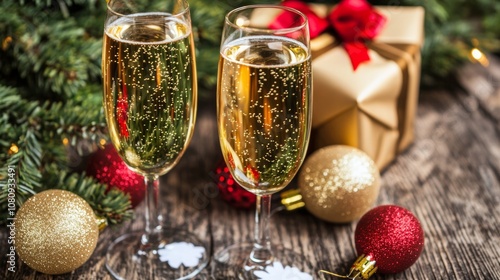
150,99
264,122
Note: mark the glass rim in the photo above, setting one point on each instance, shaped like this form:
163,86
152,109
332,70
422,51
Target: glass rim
184,10
278,7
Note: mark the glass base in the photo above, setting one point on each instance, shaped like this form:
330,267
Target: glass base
233,263
175,255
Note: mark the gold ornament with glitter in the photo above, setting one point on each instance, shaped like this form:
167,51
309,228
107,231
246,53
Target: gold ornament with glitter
337,184
56,231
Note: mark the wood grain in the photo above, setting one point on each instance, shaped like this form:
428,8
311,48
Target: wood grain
449,178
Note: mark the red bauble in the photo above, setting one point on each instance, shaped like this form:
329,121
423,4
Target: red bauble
108,168
391,236
231,191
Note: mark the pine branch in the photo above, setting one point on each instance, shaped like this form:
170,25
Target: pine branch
26,163
34,148
76,119
34,158
50,52
113,205
21,150
79,118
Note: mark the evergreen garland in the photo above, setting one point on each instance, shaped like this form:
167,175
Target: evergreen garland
50,87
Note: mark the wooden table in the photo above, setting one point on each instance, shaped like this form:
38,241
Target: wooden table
449,178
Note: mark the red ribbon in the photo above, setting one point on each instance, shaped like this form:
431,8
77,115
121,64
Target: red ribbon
286,19
355,22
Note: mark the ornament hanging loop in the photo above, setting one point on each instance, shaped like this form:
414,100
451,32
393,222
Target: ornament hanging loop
322,272
356,276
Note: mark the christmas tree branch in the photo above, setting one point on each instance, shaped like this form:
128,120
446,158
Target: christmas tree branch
21,153
24,164
113,205
50,52
35,150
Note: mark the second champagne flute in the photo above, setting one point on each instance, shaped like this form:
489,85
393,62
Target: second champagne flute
150,99
264,122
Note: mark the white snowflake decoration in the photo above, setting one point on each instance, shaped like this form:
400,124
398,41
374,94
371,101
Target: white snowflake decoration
181,253
276,271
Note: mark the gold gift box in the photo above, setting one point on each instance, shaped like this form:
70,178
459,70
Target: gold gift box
374,107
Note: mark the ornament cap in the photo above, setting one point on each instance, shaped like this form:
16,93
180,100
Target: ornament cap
102,222
363,268
292,200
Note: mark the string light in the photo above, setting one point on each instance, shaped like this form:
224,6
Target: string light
102,142
14,149
6,42
478,56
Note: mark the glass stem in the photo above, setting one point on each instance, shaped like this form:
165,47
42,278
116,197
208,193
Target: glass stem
261,253
152,215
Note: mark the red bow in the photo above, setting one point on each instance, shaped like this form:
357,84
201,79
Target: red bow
355,22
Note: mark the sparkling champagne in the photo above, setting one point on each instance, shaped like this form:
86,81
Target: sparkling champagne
264,110
150,89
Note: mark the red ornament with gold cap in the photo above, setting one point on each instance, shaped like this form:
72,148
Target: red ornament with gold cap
389,239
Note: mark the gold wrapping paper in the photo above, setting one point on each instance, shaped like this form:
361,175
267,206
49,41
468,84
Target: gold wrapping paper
372,108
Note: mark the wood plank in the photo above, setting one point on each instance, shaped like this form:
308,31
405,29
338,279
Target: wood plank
483,82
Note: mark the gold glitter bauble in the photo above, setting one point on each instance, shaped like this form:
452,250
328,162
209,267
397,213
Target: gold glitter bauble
56,231
339,183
